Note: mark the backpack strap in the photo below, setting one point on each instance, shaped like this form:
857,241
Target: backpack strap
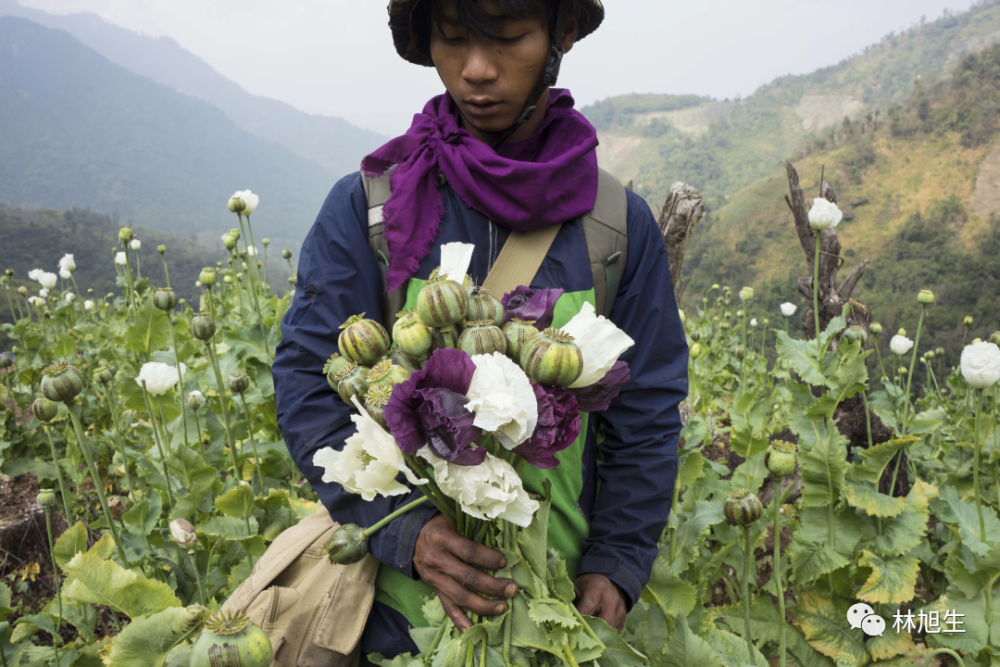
605,230
377,192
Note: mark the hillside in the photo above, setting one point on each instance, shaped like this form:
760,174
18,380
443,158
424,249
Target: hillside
330,142
723,146
81,131
922,206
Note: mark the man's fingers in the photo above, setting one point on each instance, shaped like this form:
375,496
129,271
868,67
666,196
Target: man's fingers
467,599
455,613
590,601
474,553
477,580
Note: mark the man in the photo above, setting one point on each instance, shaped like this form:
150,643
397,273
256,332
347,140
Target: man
478,162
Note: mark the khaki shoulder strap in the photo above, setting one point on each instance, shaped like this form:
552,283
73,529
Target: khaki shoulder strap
605,230
377,192
519,259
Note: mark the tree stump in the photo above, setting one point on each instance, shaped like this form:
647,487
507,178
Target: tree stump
681,213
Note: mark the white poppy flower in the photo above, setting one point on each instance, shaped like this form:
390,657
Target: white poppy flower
65,274
600,342
35,301
490,490
47,280
121,259
159,377
195,398
135,244
753,321
44,293
250,201
69,297
34,273
251,251
369,462
788,308
824,214
183,533
981,365
67,262
88,304
501,396
900,344
455,260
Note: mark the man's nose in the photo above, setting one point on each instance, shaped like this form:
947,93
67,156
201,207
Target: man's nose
480,63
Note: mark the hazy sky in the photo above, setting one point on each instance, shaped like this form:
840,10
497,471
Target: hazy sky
336,56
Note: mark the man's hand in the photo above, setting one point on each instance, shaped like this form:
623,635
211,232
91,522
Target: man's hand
449,563
601,597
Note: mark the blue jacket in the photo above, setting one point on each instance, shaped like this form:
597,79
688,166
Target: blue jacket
627,479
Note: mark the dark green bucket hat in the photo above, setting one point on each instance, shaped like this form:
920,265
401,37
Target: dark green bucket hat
401,13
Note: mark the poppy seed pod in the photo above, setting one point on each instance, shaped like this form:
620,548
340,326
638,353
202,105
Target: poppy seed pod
229,639
696,336
165,299
875,328
228,241
695,351
162,249
968,320
6,361
46,498
237,205
238,382
741,508
44,409
8,272
286,253
61,382
207,276
125,234
23,291
202,326
266,241
926,297
348,545
857,333
104,375
781,458
741,352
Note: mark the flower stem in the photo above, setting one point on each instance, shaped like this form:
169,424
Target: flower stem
909,375
254,279
197,576
777,571
98,485
868,417
374,528
159,446
253,445
819,236
166,271
927,662
128,275
180,375
113,406
747,558
975,466
59,476
55,579
222,401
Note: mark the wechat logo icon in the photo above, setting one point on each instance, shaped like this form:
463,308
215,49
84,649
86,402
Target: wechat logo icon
861,615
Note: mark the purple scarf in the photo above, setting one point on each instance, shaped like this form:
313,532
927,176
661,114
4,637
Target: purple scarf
546,179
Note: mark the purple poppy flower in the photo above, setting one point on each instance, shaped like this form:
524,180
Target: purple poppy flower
558,426
598,396
527,304
429,409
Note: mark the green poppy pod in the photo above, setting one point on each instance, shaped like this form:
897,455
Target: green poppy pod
202,326
781,458
348,545
517,333
230,640
411,335
442,302
741,508
44,409
552,358
61,382
485,307
165,299
482,337
363,341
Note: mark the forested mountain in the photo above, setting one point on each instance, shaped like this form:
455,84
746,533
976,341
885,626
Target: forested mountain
331,142
80,131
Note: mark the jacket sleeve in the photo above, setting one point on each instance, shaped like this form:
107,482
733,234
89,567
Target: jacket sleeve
337,277
641,426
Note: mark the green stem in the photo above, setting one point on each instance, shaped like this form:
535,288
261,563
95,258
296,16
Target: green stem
138,268
975,467
59,476
180,375
895,472
197,425
253,445
98,485
747,558
957,657
197,576
572,660
166,271
252,274
777,571
222,401
119,438
431,490
437,639
159,447
674,509
819,236
868,417
55,579
909,374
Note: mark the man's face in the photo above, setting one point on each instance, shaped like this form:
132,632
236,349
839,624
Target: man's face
489,79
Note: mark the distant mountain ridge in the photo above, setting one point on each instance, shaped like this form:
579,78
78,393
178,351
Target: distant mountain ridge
331,142
79,130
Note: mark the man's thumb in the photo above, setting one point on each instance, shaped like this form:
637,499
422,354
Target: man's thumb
590,599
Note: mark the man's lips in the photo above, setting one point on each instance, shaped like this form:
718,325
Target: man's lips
482,106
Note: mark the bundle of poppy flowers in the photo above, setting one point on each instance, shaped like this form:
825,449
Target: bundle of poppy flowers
468,391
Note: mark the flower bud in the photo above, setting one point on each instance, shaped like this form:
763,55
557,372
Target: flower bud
740,314
741,352
781,458
182,533
202,326
227,280
237,205
228,241
939,351
22,291
901,332
293,281
929,356
238,382
695,351
286,253
857,333
165,299
977,340
741,508
117,507
348,545
8,272
44,409
995,337
135,244
875,328
46,498
696,335
266,241
104,375
6,360
902,370
125,234
207,276
161,249
746,294
968,320
926,297
195,399
61,382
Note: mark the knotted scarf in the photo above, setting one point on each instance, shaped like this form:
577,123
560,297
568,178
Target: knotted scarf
546,179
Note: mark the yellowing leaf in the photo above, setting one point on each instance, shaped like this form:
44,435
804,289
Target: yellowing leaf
145,641
100,581
890,644
826,628
871,501
892,580
70,543
238,502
